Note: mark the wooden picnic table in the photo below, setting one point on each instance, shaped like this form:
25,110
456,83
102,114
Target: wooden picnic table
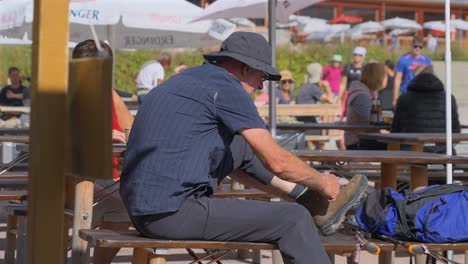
336,126
16,139
15,109
14,131
389,160
415,140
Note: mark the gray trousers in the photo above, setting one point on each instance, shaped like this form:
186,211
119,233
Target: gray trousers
288,225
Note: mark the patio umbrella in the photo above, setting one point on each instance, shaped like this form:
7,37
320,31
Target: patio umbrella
368,27
437,26
252,9
334,32
459,24
275,10
243,22
311,24
345,20
400,23
140,24
401,31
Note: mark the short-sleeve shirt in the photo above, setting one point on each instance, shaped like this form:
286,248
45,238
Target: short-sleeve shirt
11,101
309,93
406,66
180,138
282,99
333,77
353,73
149,75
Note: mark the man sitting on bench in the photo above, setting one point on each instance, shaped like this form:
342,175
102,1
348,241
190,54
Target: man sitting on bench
179,149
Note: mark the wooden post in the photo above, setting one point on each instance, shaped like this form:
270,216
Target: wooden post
10,245
388,175
82,217
418,177
47,146
140,255
89,139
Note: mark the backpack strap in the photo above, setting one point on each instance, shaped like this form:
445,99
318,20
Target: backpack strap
381,219
401,209
437,191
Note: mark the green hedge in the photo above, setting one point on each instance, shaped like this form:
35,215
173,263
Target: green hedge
293,57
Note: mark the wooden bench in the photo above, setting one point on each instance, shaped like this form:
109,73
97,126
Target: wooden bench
307,110
13,183
14,175
302,110
15,233
156,250
20,195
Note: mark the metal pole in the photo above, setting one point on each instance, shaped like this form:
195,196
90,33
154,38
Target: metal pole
448,96
272,89
448,87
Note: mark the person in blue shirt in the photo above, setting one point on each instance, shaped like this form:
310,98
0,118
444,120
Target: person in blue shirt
200,126
404,71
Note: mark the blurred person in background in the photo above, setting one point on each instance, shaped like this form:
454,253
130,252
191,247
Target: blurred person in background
332,74
386,95
422,108
12,95
312,93
431,43
361,95
284,94
151,74
406,66
352,72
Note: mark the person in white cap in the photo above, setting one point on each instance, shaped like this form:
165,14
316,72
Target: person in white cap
352,72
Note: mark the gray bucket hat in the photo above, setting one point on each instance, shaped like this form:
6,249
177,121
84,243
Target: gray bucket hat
249,48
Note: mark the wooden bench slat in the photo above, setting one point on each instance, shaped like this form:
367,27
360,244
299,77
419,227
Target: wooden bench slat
14,183
302,110
111,239
337,243
13,195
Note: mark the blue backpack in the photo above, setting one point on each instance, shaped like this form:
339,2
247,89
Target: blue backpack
435,214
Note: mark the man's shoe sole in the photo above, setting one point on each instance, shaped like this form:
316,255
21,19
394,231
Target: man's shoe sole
338,218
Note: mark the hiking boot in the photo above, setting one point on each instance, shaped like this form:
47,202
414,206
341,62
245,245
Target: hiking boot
328,216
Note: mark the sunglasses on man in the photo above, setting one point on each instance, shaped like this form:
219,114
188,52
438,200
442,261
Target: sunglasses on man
287,81
417,46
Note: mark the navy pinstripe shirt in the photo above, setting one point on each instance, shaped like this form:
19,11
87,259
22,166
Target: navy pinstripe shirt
180,138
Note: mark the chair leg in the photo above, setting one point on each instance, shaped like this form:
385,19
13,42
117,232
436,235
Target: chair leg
157,259
10,246
20,256
140,256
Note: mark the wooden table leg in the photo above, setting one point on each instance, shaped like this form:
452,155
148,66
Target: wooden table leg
82,217
10,245
418,177
417,148
386,257
388,177
140,255
21,247
393,146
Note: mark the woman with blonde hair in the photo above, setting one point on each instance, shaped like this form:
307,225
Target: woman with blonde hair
361,94
284,94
